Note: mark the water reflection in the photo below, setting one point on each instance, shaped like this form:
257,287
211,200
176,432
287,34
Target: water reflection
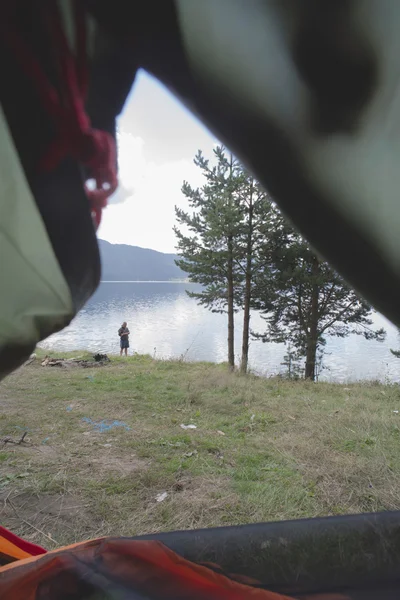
164,321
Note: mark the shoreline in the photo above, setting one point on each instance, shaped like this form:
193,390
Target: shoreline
177,360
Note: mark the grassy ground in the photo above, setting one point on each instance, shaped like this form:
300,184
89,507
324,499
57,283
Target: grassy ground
289,449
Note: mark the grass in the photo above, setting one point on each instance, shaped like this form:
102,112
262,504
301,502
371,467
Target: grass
263,449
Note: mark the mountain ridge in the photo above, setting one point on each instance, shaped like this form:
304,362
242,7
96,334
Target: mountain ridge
122,262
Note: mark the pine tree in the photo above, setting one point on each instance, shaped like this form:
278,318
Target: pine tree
303,299
396,353
224,235
208,251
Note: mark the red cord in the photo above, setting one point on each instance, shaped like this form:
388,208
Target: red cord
75,137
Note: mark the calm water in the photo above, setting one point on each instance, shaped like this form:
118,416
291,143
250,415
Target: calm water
165,322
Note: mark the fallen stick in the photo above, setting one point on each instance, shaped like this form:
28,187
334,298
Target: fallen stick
17,443
40,531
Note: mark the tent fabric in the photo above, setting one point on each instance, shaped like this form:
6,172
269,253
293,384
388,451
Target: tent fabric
27,262
112,569
306,94
351,557
53,267
14,548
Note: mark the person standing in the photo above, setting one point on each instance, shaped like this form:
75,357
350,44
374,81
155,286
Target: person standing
123,333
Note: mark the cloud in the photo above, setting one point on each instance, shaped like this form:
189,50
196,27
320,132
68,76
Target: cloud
157,139
131,166
142,212
120,195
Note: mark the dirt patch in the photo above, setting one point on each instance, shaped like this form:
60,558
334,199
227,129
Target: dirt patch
39,454
119,465
46,519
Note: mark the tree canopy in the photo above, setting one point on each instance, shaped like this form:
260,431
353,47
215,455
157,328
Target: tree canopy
303,299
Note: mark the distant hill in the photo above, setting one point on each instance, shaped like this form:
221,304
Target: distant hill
121,262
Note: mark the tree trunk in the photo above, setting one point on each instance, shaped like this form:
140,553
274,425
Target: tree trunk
231,322
246,324
247,289
311,358
312,338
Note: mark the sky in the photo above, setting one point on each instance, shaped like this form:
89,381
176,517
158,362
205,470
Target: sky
157,141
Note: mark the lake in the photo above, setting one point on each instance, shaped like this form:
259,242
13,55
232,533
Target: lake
165,323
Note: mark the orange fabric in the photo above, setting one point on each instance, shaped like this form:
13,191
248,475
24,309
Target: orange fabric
32,559
147,567
10,549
